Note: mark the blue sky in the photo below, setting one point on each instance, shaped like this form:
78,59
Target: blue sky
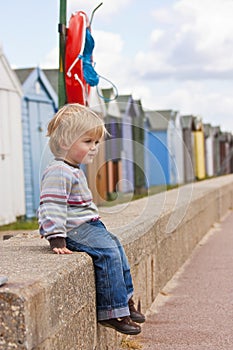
173,54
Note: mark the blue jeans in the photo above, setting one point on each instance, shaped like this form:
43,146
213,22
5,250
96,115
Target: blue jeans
113,279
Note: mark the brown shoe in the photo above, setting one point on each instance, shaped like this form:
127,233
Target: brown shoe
135,315
123,325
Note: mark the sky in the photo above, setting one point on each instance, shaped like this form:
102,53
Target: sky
171,54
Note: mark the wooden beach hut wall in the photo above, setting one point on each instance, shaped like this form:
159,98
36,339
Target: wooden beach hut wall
187,127
128,112
97,171
231,152
177,142
217,164
174,145
225,154
38,106
12,203
157,149
199,149
113,144
138,148
179,148
209,150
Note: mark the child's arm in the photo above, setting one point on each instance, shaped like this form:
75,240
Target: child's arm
55,189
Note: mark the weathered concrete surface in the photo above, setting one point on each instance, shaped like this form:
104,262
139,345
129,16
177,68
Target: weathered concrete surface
49,301
194,310
45,298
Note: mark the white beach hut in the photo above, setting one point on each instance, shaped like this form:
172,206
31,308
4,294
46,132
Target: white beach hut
12,203
209,149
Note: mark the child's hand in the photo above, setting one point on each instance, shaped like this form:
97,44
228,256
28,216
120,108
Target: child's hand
58,245
62,250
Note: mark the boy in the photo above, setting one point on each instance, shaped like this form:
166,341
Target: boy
69,219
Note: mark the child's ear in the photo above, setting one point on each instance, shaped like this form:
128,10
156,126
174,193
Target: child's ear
64,146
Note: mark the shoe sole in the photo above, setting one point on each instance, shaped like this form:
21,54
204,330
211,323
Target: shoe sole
133,332
138,320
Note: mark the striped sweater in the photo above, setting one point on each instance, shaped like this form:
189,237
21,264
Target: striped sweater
65,200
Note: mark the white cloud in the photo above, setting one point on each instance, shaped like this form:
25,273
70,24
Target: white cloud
51,60
194,40
156,35
193,97
213,29
111,63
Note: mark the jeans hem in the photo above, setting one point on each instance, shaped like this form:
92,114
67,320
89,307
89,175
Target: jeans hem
114,313
129,295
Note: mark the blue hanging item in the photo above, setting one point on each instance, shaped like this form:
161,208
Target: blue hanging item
89,73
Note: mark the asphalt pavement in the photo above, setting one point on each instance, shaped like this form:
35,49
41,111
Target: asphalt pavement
195,309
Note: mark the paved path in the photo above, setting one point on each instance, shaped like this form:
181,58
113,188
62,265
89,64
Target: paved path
195,310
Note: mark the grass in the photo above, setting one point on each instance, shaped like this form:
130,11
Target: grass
21,224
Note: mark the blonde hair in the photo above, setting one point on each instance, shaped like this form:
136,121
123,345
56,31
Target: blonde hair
71,122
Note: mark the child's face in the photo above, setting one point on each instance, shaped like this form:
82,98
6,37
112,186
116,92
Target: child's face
83,150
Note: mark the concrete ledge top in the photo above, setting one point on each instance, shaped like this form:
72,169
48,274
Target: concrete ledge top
27,259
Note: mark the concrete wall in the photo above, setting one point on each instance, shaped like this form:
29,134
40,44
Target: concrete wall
49,300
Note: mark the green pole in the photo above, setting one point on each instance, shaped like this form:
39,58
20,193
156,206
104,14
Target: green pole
62,44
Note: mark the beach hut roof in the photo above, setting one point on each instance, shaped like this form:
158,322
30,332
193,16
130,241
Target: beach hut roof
169,114
156,120
27,75
123,101
187,121
208,130
107,93
140,110
52,76
23,73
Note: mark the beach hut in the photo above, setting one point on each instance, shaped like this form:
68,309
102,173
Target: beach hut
199,149
209,150
231,153
217,163
159,149
113,144
165,126
39,104
128,113
132,153
97,171
175,146
187,127
12,203
225,153
177,141
138,148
